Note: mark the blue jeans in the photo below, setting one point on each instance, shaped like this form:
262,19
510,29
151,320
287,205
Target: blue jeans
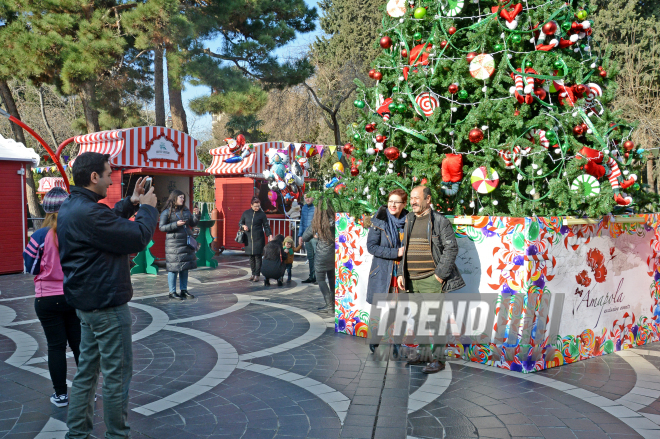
183,280
105,346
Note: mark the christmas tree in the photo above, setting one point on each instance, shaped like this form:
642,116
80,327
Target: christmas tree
144,261
499,107
204,239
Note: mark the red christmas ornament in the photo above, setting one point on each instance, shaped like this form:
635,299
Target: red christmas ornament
380,138
424,181
470,56
476,135
354,171
584,127
392,153
626,155
451,30
443,44
369,128
386,42
371,73
348,149
628,145
404,53
549,28
578,130
603,73
600,68
378,76
581,88
453,89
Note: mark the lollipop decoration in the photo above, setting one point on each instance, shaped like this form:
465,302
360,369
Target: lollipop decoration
396,8
482,66
427,103
586,185
451,8
484,180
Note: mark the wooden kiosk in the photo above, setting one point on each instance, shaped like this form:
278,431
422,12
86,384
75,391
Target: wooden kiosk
168,156
237,183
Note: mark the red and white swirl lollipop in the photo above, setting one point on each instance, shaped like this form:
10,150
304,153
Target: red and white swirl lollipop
427,103
482,66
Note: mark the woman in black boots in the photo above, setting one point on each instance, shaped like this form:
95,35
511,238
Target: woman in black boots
175,220
323,227
254,223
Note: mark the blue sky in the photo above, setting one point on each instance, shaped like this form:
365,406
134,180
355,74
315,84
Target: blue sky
201,126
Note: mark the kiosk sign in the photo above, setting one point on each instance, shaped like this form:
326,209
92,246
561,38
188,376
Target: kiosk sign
163,149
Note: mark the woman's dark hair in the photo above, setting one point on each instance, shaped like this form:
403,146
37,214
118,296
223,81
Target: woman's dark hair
273,250
171,201
255,200
323,223
85,164
401,193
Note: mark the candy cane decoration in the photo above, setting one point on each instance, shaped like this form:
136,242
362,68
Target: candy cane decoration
524,87
593,90
510,157
542,139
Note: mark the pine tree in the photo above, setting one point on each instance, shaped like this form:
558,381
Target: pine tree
499,109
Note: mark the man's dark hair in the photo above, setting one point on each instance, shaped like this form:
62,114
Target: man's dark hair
426,192
85,164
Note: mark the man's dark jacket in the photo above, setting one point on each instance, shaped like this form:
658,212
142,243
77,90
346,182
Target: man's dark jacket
95,242
443,246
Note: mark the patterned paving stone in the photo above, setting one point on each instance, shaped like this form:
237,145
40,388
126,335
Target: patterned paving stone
314,383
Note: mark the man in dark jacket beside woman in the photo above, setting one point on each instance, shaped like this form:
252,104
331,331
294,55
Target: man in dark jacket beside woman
428,264
254,223
306,216
94,246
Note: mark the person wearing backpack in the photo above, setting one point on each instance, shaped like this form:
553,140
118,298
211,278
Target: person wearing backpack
58,319
179,255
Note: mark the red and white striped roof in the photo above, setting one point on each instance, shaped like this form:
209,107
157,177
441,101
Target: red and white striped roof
128,148
47,183
257,161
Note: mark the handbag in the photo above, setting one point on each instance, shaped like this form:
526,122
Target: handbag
190,240
241,237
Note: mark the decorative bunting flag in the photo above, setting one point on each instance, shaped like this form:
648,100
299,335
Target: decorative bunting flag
332,148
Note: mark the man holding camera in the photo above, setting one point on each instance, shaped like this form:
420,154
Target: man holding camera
94,245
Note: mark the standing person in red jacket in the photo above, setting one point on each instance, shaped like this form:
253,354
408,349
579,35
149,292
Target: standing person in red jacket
59,320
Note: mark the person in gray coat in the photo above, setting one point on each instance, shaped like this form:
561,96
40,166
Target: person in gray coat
254,223
323,228
176,220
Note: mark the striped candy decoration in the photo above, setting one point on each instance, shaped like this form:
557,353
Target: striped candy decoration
587,185
427,103
452,8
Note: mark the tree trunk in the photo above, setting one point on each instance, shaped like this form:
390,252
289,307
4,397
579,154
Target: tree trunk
158,87
91,113
336,129
650,178
10,104
177,111
40,90
33,201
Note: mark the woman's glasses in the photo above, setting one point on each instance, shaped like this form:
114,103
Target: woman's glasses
396,203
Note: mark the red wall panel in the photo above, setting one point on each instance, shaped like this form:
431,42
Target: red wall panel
12,217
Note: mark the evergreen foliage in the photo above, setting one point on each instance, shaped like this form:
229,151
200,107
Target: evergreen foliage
440,109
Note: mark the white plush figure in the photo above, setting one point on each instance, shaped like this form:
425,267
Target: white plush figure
294,212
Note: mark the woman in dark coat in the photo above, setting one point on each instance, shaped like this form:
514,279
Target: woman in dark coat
176,220
384,243
323,227
274,263
255,223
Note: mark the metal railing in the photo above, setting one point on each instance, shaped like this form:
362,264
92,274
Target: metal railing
287,227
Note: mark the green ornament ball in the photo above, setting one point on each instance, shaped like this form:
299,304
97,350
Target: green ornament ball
356,136
392,107
582,14
395,89
417,36
463,94
558,64
566,26
401,108
431,40
497,47
358,103
516,39
419,13
528,64
636,186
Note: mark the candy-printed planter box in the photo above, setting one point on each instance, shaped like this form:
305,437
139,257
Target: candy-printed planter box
608,273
